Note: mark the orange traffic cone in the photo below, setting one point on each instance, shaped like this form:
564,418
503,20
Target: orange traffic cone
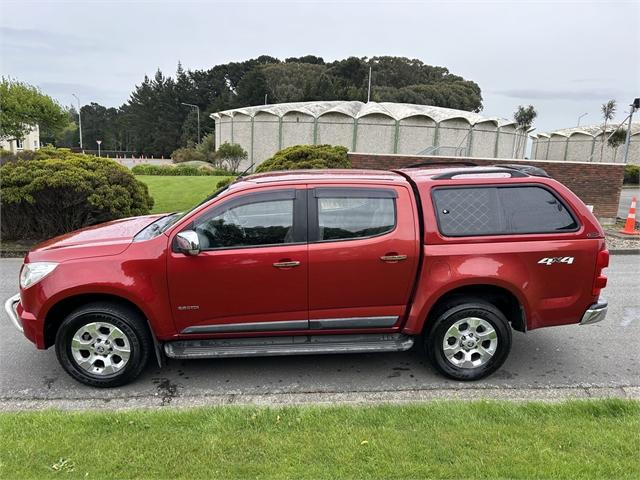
630,226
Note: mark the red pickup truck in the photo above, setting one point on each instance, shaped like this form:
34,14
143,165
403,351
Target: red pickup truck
310,262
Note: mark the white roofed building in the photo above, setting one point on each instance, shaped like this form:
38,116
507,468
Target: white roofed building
584,144
394,128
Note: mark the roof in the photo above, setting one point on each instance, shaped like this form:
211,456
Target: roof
327,174
590,130
355,110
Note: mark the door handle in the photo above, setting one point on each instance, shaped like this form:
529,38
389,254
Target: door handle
393,258
288,264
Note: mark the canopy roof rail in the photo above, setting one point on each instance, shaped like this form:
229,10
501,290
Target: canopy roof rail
428,164
449,175
530,169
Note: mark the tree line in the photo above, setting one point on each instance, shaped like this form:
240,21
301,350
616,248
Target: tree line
154,120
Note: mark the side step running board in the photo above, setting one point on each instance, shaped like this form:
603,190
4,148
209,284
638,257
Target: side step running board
288,345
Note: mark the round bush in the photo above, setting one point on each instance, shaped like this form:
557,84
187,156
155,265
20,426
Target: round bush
57,193
306,157
632,174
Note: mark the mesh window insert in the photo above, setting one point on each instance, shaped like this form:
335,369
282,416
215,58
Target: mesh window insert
467,211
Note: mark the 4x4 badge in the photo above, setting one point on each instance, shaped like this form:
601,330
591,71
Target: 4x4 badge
552,260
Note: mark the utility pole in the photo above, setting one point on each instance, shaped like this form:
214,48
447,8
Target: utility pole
627,142
198,113
580,118
79,119
369,90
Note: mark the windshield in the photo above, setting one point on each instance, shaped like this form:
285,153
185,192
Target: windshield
163,223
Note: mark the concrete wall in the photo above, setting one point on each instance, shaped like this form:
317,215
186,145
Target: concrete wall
597,184
415,134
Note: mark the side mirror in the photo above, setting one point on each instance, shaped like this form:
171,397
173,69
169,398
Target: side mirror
187,242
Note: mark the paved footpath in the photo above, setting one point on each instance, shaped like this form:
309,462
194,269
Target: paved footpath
601,360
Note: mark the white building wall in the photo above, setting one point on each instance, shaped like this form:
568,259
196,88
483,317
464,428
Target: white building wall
453,133
506,142
30,142
415,134
265,136
241,134
335,129
297,129
580,145
376,134
484,139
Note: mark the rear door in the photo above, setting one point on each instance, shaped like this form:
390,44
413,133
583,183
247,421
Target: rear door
363,255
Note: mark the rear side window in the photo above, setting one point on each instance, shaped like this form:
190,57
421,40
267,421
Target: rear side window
350,213
472,211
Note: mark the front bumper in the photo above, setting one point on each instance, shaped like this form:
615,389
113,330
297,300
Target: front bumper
11,307
595,313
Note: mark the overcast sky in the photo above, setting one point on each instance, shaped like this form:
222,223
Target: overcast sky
566,58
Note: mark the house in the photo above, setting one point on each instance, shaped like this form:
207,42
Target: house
31,141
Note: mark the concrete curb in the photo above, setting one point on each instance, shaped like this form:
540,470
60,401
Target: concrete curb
396,397
625,251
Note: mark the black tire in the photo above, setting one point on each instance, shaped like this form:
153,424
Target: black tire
127,320
456,311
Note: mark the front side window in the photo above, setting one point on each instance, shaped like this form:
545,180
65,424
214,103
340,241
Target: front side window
358,216
490,210
251,224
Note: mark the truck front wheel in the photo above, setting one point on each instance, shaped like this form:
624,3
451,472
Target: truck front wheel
468,340
103,344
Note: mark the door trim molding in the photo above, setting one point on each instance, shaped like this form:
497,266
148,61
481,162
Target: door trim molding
249,327
352,322
315,324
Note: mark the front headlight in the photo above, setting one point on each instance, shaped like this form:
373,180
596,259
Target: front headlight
34,272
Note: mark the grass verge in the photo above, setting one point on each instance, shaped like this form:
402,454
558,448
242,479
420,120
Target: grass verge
576,439
178,193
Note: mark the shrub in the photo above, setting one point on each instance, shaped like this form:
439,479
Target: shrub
208,150
66,191
187,155
231,154
180,170
224,182
632,174
306,157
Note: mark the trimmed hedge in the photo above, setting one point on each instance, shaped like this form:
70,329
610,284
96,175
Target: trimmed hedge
632,174
307,157
180,170
59,191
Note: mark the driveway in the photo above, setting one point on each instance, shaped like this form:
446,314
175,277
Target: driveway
560,362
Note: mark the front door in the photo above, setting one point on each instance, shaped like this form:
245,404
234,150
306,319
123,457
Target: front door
251,273
363,256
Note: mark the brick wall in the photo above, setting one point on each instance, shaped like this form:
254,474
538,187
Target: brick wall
597,184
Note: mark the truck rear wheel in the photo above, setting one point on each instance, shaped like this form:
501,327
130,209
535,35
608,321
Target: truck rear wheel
103,344
469,339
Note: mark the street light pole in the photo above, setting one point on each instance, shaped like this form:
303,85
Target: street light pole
580,118
79,119
98,142
198,113
635,105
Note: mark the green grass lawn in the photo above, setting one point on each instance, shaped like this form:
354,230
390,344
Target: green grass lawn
579,439
178,193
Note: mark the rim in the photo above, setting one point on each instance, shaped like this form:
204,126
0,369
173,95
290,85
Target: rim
470,342
100,348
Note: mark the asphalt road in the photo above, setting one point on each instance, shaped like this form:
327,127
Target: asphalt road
572,361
